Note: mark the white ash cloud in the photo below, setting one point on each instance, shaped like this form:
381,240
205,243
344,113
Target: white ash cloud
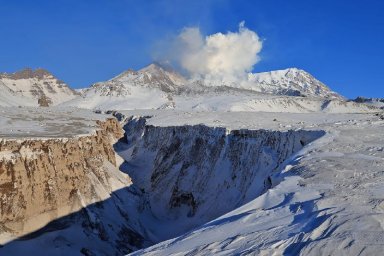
228,56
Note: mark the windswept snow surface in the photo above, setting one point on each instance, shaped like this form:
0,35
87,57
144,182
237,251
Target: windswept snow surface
36,122
326,200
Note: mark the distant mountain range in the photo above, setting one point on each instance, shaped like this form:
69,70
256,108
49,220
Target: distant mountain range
159,87
377,102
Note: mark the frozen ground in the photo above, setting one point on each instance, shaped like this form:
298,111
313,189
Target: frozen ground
327,200
30,122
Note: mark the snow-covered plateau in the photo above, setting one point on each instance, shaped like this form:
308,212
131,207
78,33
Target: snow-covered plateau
154,163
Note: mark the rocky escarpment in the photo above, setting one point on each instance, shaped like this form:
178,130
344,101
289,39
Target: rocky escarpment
191,174
44,179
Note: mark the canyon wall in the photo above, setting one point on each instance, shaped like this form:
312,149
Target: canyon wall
44,179
191,174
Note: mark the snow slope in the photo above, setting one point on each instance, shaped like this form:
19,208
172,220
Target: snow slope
41,123
10,98
38,86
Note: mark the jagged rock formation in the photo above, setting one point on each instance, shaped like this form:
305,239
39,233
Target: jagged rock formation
38,86
44,101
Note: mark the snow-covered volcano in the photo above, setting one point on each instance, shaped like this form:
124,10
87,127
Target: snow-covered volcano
156,87
34,87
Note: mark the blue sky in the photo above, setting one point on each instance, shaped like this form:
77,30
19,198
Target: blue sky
84,41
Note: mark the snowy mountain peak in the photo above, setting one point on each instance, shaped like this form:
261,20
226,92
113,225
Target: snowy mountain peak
165,77
153,73
127,73
291,81
154,68
152,76
38,85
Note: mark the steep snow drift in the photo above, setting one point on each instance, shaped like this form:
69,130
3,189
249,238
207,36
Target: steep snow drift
189,175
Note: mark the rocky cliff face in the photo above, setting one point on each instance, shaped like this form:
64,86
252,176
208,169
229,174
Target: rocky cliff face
45,179
189,175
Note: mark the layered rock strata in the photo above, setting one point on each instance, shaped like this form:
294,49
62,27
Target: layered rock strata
45,179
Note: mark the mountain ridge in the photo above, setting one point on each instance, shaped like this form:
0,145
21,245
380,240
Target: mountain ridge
290,81
38,85
159,87
156,87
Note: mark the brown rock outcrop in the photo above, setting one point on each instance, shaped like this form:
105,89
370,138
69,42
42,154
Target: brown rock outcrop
44,179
